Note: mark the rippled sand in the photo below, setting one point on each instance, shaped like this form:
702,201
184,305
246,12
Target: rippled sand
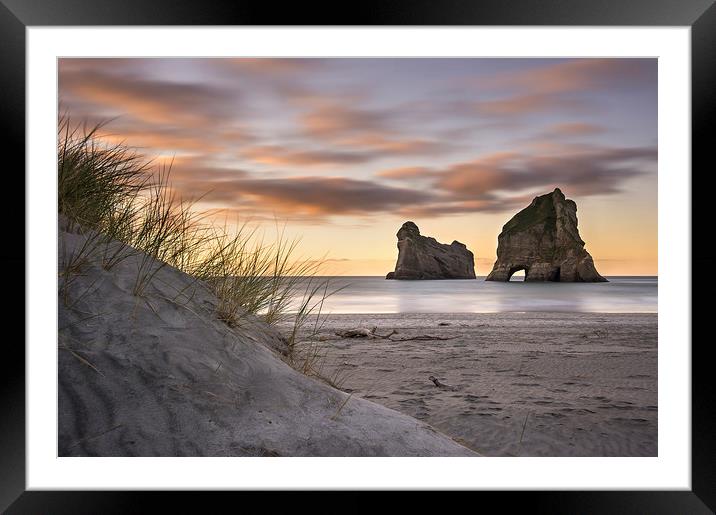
160,375
520,384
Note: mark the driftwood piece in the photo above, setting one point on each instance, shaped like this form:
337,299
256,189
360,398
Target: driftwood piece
425,337
364,333
371,333
356,333
437,383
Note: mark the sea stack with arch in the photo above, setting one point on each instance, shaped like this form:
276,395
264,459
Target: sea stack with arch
543,240
423,257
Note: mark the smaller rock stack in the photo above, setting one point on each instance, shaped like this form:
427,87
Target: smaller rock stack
422,257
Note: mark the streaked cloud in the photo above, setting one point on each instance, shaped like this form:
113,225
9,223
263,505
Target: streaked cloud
304,196
578,75
273,66
332,195
331,119
281,155
584,171
406,172
148,100
254,131
524,104
570,129
569,86
495,182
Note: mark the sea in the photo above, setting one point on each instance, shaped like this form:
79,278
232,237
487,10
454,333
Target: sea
361,294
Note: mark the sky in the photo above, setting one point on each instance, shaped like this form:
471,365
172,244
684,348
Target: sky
343,151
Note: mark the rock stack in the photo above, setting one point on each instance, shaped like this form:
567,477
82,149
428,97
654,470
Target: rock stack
543,240
422,257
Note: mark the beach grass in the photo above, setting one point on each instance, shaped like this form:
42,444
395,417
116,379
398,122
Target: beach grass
129,206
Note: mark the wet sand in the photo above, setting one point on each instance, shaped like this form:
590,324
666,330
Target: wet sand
518,384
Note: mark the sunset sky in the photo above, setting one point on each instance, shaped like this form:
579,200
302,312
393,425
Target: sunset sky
346,150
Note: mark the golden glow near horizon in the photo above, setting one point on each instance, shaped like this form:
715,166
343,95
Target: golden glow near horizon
346,150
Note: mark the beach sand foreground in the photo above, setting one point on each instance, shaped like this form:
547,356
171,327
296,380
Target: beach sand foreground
158,374
518,384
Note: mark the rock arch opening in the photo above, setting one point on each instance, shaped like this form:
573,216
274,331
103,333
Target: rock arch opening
511,276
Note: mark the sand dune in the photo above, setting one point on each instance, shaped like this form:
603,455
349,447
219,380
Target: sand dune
523,384
158,375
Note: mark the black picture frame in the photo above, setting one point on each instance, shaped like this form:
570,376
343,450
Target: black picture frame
699,15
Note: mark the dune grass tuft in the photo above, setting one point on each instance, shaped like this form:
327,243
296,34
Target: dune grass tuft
130,209
95,179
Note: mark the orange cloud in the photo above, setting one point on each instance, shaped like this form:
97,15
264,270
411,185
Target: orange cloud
406,172
153,140
573,129
279,155
154,101
348,151
297,196
273,65
332,119
524,104
332,195
365,130
395,146
472,179
578,75
488,204
584,170
474,185
549,88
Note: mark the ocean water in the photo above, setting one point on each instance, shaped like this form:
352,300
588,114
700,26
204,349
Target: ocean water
377,295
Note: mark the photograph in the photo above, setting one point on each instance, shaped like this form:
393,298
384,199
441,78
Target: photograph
453,246
357,256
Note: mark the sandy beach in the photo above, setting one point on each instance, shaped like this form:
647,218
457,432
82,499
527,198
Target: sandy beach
160,375
515,384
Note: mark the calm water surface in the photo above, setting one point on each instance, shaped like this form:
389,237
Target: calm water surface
377,295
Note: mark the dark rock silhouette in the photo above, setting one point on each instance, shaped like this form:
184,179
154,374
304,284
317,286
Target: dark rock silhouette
422,257
543,240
